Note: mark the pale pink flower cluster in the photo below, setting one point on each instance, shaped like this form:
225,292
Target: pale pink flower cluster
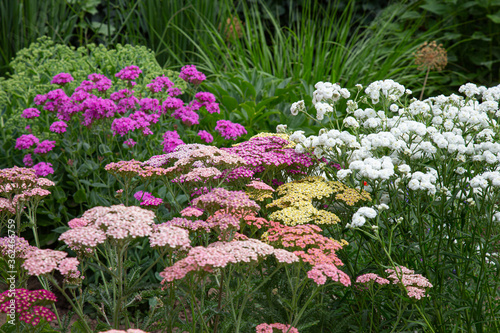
171,236
268,328
17,246
219,198
366,278
188,224
220,254
415,284
7,206
319,274
32,194
198,175
191,211
83,239
40,262
120,222
258,185
223,219
77,222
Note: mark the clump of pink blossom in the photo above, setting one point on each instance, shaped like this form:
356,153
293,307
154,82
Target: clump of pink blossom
44,147
58,127
369,277
129,73
26,141
61,79
28,160
415,284
40,262
43,169
190,74
147,199
229,130
171,140
166,235
269,328
205,136
30,113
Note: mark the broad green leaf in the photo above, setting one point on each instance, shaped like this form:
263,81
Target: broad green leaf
229,102
80,196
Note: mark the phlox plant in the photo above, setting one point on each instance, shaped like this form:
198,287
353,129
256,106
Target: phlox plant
74,129
431,168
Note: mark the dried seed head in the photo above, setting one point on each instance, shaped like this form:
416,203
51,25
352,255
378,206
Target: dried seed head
431,56
233,28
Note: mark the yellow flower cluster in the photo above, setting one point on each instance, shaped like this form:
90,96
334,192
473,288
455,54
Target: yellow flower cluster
296,201
349,195
258,195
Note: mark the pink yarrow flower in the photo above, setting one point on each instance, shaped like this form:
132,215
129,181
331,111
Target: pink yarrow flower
366,278
269,328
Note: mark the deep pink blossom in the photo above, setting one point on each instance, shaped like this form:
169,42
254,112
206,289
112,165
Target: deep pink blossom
62,79
205,136
129,73
26,141
190,74
130,142
44,147
43,169
171,139
27,160
58,127
229,130
30,113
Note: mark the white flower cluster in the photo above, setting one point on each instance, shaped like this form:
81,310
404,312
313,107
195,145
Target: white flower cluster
388,88
359,218
424,181
374,168
325,96
482,181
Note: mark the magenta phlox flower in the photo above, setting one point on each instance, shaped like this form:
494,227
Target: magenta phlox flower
101,82
123,126
229,130
269,328
40,99
43,169
205,136
26,141
29,305
190,74
144,120
27,160
95,108
150,104
147,199
44,147
174,91
56,99
172,103
186,115
58,127
205,97
171,140
129,73
30,113
159,83
61,79
130,143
